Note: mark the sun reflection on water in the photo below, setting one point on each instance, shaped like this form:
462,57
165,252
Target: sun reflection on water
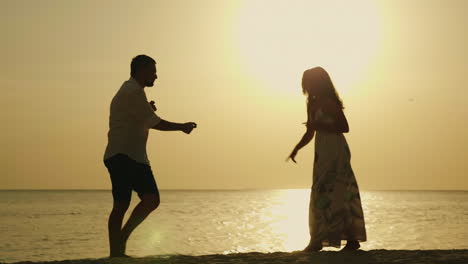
291,213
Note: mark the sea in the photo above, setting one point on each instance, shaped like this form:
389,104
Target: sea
44,225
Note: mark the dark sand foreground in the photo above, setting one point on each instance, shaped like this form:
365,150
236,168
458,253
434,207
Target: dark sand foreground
324,257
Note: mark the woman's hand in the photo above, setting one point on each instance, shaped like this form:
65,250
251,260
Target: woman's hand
293,154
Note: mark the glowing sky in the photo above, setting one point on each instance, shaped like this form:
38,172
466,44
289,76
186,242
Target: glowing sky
234,67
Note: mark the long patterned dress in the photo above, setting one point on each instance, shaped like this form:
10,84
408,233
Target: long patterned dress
335,211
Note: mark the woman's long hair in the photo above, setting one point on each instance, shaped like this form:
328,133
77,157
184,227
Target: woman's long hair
317,85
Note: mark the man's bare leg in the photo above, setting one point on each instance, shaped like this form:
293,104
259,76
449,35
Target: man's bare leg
114,227
148,203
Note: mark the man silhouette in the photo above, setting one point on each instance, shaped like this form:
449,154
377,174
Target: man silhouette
131,117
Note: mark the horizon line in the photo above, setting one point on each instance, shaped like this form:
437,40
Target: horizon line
243,189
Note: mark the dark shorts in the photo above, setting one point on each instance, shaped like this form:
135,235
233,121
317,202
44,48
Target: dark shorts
127,175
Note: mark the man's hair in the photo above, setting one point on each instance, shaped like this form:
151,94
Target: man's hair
140,62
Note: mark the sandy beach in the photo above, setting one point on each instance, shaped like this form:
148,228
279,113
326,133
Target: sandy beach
324,257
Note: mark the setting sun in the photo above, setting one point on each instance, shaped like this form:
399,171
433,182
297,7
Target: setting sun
278,40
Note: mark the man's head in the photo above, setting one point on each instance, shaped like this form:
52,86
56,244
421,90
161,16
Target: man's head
143,69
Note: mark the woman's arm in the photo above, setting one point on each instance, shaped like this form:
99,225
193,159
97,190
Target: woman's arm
306,138
340,125
308,135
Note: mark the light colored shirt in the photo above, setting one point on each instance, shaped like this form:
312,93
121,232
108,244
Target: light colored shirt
131,117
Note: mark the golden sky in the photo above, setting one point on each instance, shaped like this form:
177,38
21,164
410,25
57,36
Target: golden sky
234,67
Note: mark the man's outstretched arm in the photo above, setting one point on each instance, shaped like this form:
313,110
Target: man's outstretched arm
164,125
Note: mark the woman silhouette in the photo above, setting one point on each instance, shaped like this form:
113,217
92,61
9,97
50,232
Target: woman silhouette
335,211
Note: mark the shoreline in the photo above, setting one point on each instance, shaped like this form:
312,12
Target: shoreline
455,256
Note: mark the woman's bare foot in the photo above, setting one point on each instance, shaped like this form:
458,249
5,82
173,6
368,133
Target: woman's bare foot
351,245
313,248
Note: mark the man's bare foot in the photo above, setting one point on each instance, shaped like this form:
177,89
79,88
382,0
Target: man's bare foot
119,247
123,244
351,245
313,248
121,255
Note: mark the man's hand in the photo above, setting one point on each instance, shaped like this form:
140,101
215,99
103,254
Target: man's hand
188,127
153,105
